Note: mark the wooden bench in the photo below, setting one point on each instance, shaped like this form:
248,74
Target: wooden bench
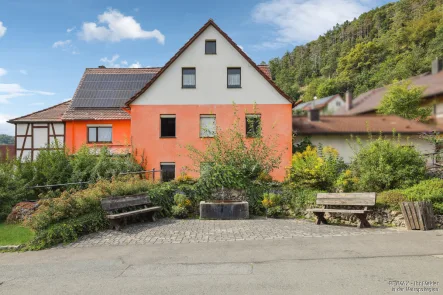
347,203
120,209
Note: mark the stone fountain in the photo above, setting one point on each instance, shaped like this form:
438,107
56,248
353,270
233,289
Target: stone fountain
225,204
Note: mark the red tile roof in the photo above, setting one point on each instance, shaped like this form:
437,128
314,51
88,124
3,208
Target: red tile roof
265,69
359,125
196,35
96,114
369,101
51,114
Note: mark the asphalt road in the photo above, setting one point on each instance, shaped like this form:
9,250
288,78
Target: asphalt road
368,264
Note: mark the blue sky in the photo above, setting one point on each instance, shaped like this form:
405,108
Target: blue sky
46,45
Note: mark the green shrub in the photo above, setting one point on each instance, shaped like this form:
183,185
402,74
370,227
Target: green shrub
299,198
77,203
316,168
179,212
68,230
384,164
275,211
346,182
232,160
12,186
272,203
428,190
391,199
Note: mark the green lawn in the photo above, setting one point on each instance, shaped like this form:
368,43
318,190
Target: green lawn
13,234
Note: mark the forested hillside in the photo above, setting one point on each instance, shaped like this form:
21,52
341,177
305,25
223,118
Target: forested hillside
6,139
395,41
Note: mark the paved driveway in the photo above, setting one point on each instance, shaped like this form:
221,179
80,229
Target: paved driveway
367,263
172,231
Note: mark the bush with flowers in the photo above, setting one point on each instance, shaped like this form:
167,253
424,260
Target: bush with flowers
316,168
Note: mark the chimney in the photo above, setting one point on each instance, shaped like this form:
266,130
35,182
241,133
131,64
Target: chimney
101,67
314,115
436,66
348,98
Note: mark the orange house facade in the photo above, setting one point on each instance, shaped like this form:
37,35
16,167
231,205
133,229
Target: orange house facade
159,111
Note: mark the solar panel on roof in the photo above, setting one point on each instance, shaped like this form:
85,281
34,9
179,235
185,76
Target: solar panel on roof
108,90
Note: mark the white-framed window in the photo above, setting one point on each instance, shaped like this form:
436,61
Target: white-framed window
234,77
208,126
167,125
188,78
99,134
167,171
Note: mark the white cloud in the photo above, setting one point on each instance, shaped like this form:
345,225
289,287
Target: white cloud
69,30
23,72
117,27
62,44
2,29
114,63
135,65
66,46
5,127
3,72
8,91
299,21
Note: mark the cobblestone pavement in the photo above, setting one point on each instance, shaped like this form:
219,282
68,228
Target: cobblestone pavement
172,231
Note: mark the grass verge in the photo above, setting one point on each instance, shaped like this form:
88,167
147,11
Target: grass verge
14,234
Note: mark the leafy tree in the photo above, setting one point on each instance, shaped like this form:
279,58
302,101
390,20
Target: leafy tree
404,101
6,139
384,164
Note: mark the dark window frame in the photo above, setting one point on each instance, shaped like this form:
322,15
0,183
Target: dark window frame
215,48
175,126
253,133
96,133
162,164
183,76
227,77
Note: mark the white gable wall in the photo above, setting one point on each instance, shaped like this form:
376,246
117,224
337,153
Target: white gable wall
211,78
335,104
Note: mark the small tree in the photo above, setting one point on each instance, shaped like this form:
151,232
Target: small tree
404,101
384,164
231,159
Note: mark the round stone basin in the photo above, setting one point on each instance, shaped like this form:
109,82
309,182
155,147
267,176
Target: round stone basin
224,209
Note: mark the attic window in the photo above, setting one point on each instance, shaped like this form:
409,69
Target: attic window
188,78
234,77
210,47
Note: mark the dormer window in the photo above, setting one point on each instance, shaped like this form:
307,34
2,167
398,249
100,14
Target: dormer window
210,47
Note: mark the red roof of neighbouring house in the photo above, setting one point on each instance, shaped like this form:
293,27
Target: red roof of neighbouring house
359,125
51,114
264,72
369,101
